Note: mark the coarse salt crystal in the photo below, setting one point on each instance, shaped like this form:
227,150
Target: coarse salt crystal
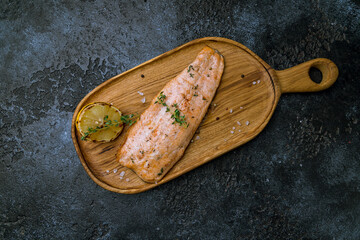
233,128
197,137
239,130
122,173
142,94
258,81
127,179
192,140
232,132
155,182
143,100
254,82
121,177
238,123
247,123
241,107
231,110
214,104
107,171
115,170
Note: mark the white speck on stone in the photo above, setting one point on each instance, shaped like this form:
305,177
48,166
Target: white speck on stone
300,165
157,228
142,94
238,123
232,132
115,170
254,82
127,179
267,180
231,111
197,137
233,128
122,173
143,100
247,123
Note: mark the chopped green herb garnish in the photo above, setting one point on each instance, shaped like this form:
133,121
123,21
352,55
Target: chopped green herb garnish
195,95
176,114
106,124
190,67
196,86
128,119
191,75
204,99
161,171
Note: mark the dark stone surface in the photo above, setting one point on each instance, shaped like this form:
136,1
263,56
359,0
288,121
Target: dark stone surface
299,179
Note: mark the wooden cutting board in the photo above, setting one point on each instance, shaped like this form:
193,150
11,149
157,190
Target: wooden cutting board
248,94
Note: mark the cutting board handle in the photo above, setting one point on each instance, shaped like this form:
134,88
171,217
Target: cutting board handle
297,79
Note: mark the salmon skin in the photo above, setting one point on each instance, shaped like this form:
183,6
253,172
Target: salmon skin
164,130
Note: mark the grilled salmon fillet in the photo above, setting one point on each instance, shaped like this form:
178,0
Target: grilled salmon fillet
164,130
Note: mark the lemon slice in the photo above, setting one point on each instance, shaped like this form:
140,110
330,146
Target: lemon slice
99,122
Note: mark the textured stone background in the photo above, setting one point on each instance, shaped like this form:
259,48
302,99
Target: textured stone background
299,179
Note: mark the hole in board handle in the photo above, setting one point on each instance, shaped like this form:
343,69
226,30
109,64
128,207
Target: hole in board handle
315,75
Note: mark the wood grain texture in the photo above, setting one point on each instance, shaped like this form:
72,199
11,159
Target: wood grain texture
249,88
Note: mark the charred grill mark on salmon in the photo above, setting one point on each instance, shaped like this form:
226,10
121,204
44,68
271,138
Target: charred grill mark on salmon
158,140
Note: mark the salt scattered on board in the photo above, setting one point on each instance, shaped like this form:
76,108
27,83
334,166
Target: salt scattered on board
258,81
231,111
115,170
143,100
247,123
127,179
122,173
233,128
142,94
232,132
197,137
254,82
238,123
